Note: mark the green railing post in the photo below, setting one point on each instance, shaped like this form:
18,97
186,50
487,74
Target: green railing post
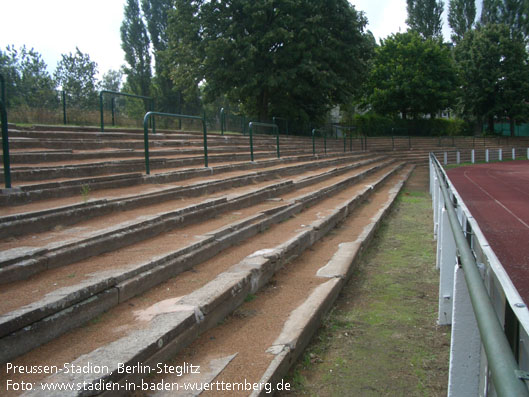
113,105
146,120
281,118
205,140
313,142
64,107
5,134
257,124
222,121
126,95
501,361
325,142
250,130
146,142
101,111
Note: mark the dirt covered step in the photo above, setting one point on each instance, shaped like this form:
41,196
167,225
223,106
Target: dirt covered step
24,257
121,274
203,295
37,218
57,188
254,347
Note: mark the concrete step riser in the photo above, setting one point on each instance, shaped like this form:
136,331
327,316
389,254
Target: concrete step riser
30,193
19,268
168,335
20,224
169,266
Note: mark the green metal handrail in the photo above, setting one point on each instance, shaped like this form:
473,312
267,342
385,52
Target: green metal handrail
222,121
501,360
252,124
314,130
149,115
349,128
5,135
121,94
281,118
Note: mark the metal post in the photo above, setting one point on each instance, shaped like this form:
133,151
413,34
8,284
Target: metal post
5,135
277,140
205,140
500,358
222,118
313,142
146,141
5,146
101,111
113,105
251,140
64,107
325,143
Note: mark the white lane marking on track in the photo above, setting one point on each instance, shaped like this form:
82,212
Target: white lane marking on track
497,201
504,183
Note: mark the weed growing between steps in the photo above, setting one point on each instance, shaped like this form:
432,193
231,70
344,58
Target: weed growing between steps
381,338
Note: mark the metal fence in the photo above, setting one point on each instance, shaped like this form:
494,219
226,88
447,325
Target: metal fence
479,301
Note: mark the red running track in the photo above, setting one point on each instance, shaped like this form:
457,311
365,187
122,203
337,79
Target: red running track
497,195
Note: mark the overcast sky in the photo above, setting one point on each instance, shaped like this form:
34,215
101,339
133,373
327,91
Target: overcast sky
55,27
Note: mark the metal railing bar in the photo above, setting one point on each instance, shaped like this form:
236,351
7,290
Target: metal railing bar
149,115
252,124
125,95
501,360
5,135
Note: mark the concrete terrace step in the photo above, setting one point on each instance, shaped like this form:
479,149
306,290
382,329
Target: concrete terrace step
64,188
23,222
192,311
142,276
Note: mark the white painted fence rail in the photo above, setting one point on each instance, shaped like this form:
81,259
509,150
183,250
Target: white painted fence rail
469,373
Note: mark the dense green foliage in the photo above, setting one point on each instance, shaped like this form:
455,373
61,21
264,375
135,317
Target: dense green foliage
495,74
424,17
297,59
28,83
411,76
289,58
76,75
461,17
135,43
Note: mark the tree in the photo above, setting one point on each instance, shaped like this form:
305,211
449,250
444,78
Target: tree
461,17
136,45
512,13
411,76
156,13
27,79
76,75
494,68
289,58
424,16
112,80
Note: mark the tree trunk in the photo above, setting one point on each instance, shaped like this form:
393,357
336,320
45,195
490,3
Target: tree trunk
262,105
491,124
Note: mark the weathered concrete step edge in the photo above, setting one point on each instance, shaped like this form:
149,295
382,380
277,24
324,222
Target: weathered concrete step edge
38,221
202,309
178,136
130,283
146,276
71,188
21,263
69,155
28,174
306,318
